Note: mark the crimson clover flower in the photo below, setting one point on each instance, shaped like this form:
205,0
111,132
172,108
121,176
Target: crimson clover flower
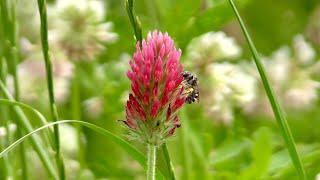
157,91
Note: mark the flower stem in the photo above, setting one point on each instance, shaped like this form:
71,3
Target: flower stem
168,161
284,127
152,156
45,49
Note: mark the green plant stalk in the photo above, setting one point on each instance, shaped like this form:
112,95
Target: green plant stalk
284,127
4,112
151,158
168,161
45,49
134,20
76,114
14,52
35,139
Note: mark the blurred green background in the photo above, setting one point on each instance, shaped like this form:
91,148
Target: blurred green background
95,88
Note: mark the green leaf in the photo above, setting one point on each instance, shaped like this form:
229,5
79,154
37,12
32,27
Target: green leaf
281,163
261,154
229,151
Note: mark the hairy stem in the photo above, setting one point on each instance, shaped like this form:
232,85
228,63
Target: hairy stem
152,157
284,127
45,49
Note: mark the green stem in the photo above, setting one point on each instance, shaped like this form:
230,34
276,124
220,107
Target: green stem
168,161
284,127
15,59
76,114
45,49
134,20
4,112
152,157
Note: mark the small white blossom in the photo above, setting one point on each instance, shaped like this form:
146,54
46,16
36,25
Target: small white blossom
303,50
79,29
212,46
32,76
291,80
230,87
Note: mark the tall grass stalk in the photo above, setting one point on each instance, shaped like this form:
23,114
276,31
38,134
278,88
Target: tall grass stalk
76,113
8,169
45,49
4,112
284,127
14,56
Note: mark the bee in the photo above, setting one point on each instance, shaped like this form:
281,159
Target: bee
190,83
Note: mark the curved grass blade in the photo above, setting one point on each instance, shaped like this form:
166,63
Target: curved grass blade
36,140
284,127
42,119
16,103
130,149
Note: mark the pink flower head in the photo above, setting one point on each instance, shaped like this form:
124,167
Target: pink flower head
157,93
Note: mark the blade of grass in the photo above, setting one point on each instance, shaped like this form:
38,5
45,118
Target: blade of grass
35,139
130,149
134,20
4,112
168,161
42,119
45,50
284,127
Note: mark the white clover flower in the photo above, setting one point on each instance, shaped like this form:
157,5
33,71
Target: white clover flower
32,76
278,66
94,107
302,91
291,80
79,28
230,87
303,50
212,46
82,5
